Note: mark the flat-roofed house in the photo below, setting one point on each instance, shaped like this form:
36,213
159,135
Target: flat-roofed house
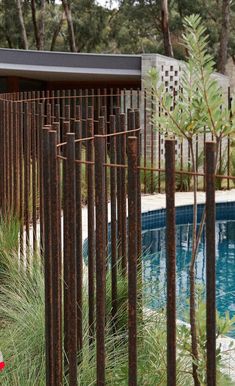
96,74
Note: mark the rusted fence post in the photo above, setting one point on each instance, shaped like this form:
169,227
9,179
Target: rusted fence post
132,259
230,99
34,175
122,144
78,153
40,171
171,262
102,131
10,165
21,179
47,259
15,160
100,257
27,155
57,119
90,222
1,156
6,159
113,197
139,219
139,225
70,266
119,185
210,263
55,259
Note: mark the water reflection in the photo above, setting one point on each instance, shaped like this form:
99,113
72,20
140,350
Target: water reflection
155,265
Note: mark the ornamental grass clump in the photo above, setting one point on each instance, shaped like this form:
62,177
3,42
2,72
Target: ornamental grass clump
22,330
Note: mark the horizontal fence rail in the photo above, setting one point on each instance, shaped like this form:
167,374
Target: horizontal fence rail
62,150
61,106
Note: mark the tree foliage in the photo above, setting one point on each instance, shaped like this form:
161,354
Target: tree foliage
134,26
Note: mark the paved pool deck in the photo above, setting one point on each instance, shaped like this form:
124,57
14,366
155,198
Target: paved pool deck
158,201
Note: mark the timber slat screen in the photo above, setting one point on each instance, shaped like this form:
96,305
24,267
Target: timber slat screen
63,150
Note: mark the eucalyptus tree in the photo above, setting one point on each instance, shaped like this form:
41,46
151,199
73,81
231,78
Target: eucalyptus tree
39,22
24,38
138,25
224,36
166,28
67,9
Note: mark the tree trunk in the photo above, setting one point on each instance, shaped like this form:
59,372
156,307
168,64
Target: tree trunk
224,36
23,34
165,29
68,14
8,39
41,25
35,26
56,32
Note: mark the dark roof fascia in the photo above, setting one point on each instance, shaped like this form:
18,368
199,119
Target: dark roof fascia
59,60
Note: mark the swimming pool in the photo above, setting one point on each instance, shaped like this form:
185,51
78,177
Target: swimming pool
154,257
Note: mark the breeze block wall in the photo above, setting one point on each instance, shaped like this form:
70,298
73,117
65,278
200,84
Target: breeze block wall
169,70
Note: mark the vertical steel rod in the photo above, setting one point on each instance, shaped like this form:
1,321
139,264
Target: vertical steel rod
91,230
56,259
122,144
78,154
21,178
171,262
119,186
102,130
70,266
229,139
40,145
47,260
132,260
15,160
1,155
139,218
113,194
210,263
100,257
10,166
34,176
27,152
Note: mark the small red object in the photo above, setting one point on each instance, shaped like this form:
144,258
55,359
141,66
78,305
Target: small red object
2,364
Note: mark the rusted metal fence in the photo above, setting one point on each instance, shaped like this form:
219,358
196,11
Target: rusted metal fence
59,152
54,176
60,107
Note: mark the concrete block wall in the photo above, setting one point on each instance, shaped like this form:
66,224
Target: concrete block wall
169,70
230,71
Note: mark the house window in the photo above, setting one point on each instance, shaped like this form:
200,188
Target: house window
31,85
3,85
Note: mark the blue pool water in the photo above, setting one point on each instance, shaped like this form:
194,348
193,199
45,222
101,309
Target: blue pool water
155,258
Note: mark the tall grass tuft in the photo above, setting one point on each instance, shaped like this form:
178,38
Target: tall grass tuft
22,339
22,325
9,234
